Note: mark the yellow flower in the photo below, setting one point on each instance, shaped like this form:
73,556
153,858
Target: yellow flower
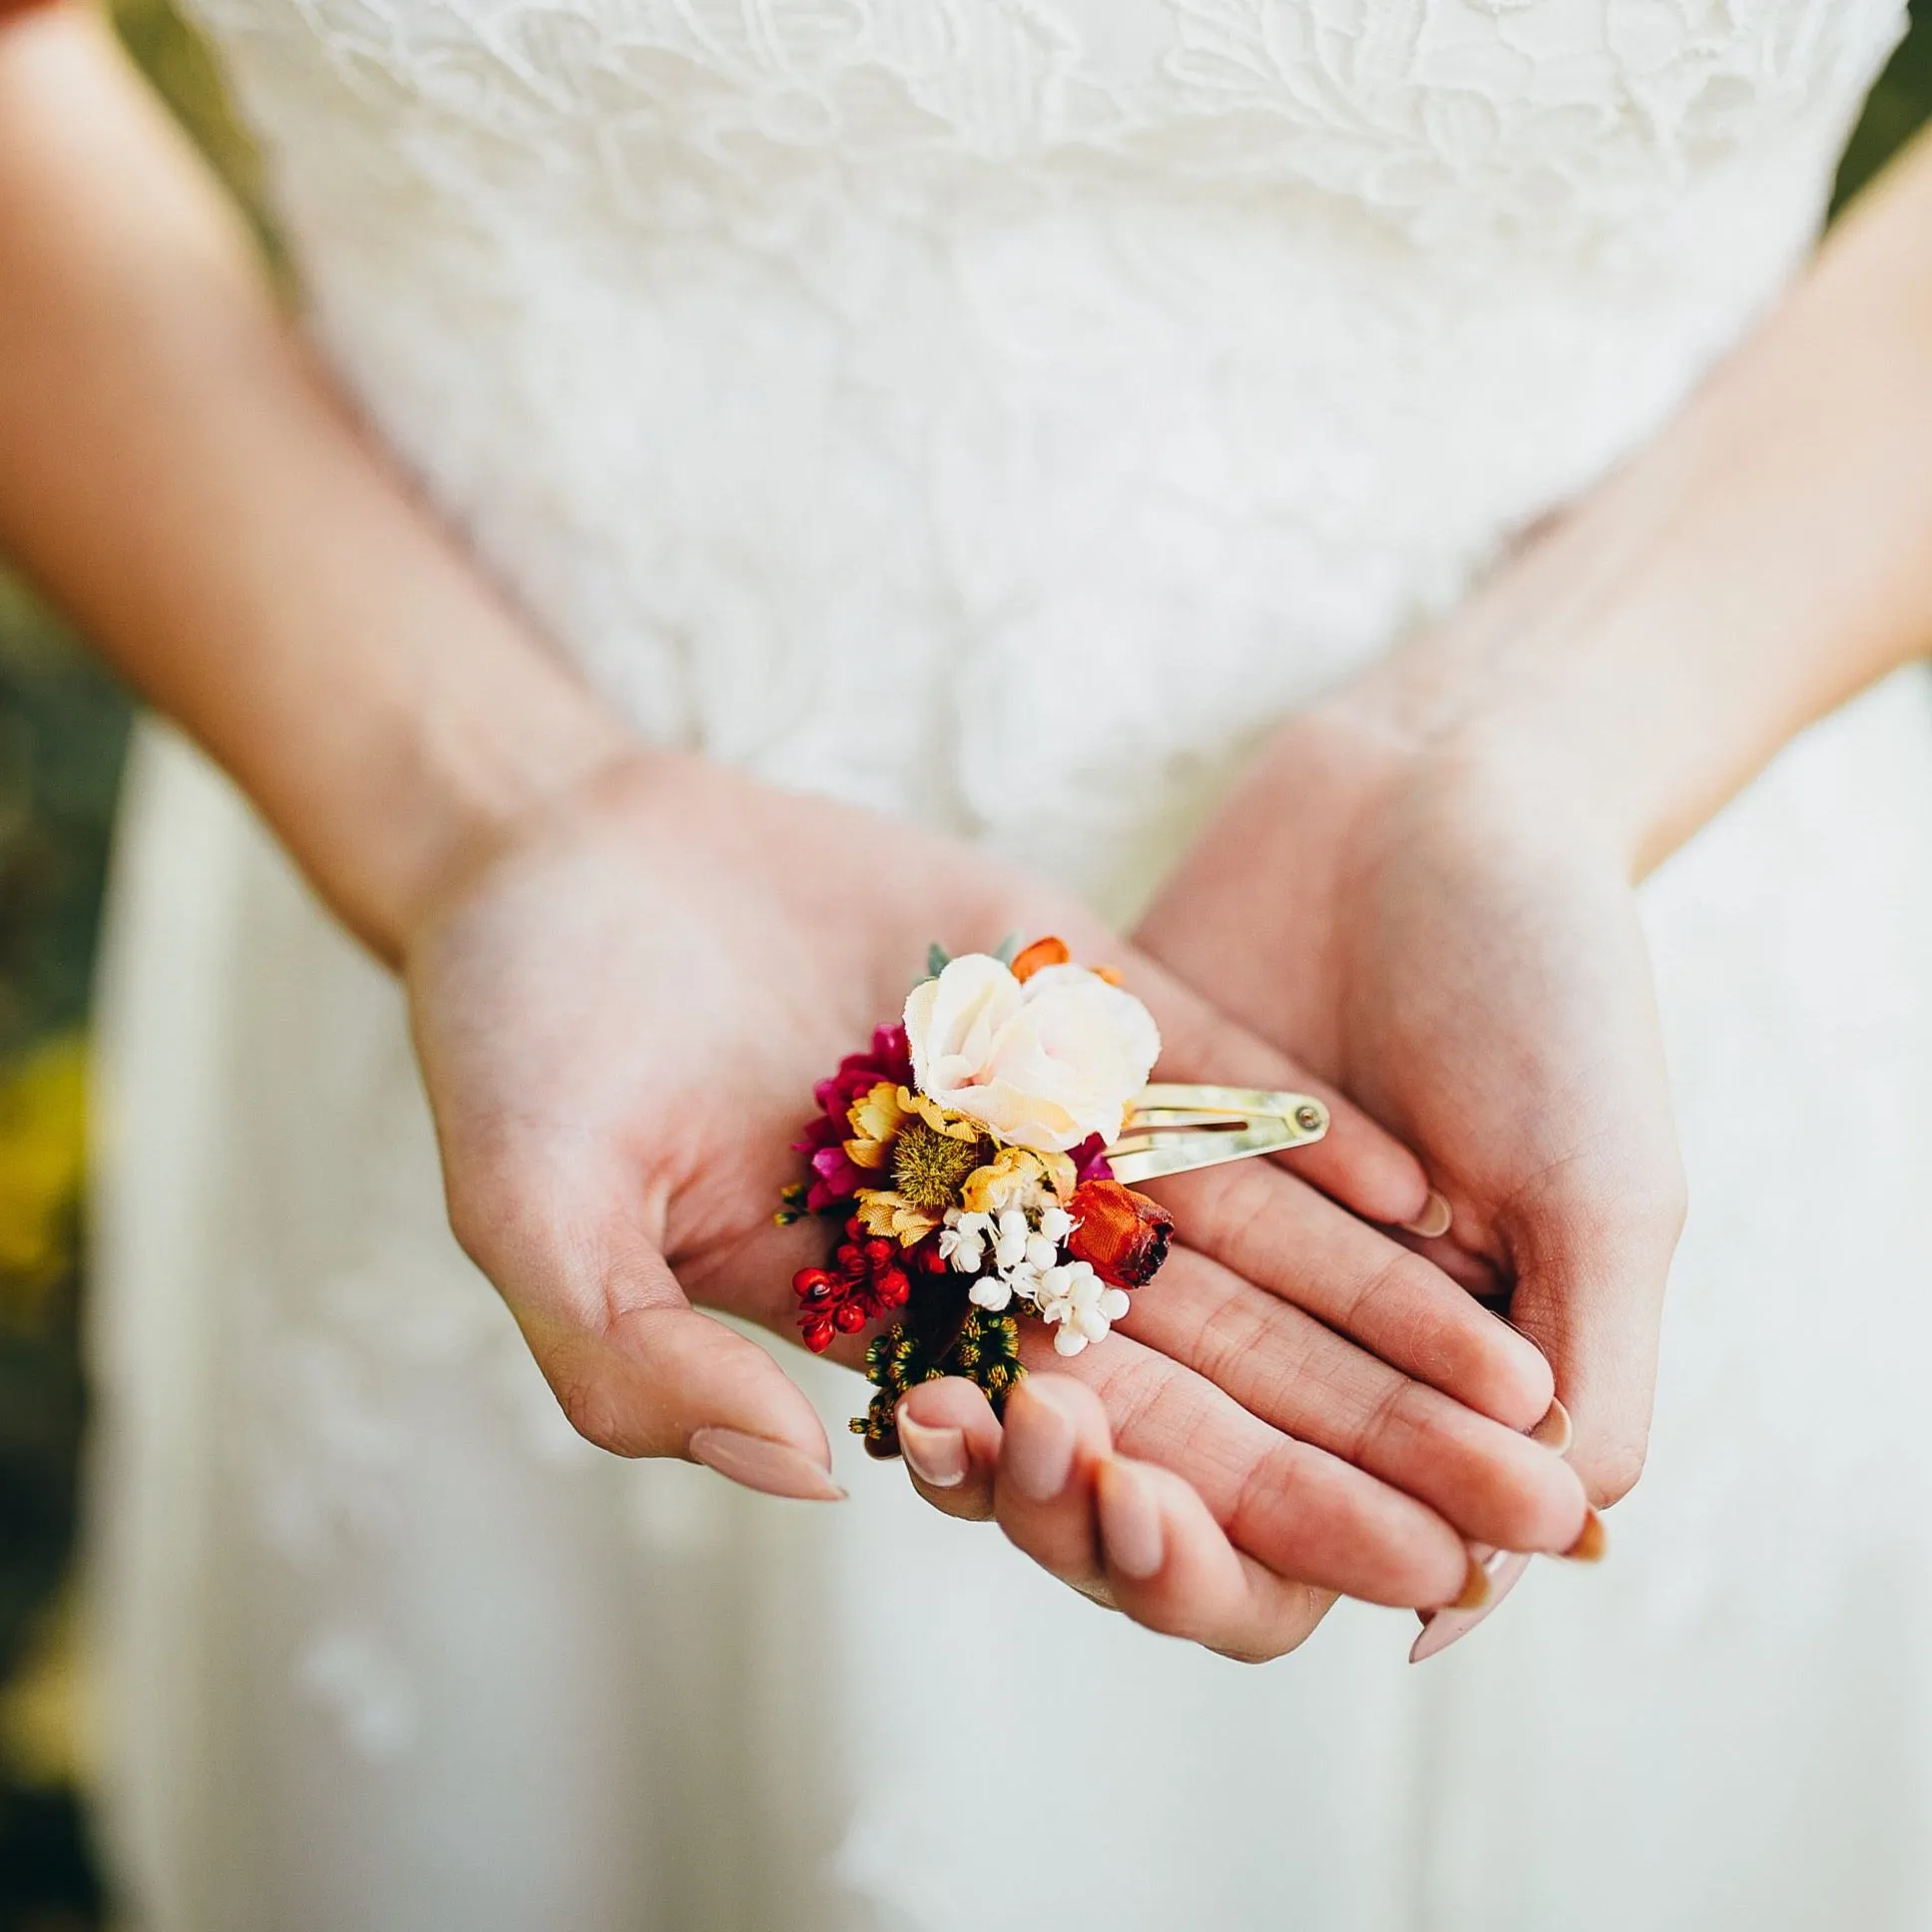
875,1119
1018,1178
956,1126
895,1217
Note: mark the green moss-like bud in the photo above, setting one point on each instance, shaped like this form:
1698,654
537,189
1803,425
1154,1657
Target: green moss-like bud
929,1168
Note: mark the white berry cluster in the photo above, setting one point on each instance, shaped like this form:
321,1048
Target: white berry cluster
1016,1257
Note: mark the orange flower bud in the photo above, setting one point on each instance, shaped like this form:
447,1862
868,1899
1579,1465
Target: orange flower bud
1043,952
1122,1235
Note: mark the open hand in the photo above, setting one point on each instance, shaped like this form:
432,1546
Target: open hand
1455,947
620,1016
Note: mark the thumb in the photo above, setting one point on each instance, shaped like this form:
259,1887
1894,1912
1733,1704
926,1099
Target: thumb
635,1367
1591,1251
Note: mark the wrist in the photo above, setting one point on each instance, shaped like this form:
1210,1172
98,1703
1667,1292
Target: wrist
482,785
1574,682
1430,724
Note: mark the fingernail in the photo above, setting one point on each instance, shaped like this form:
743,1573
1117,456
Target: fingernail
1476,1587
1503,1572
1554,1431
1130,1522
1038,1445
1434,1218
937,1456
776,1468
1593,1545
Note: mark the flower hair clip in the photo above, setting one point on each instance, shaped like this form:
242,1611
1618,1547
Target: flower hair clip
977,1155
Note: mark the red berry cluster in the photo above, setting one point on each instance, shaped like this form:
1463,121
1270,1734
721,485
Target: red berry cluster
867,1279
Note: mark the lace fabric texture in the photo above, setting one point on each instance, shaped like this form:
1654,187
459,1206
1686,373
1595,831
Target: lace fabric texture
999,412
800,360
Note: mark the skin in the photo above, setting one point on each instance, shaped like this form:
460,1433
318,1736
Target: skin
586,929
1464,827
1309,1405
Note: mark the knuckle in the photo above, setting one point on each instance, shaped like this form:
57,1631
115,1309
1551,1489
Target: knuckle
590,1406
1398,1277
1257,1495
1387,1424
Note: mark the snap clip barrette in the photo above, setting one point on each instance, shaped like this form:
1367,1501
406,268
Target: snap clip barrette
1173,1129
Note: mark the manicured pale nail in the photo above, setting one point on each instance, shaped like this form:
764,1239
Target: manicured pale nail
1434,1218
937,1456
1130,1522
1504,1571
1554,1431
776,1468
1038,1454
1476,1586
1594,1543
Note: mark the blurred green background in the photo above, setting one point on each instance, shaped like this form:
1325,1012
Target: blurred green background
63,726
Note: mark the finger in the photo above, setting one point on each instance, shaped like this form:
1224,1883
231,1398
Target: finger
1299,1244
1169,1566
949,1439
635,1367
1299,1511
1591,1251
1357,1161
1056,1435
1290,1371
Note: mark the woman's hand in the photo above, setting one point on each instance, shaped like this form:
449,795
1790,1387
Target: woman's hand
620,1016
622,1011
1453,942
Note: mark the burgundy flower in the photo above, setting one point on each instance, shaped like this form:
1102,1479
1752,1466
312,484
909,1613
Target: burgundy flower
1090,1160
834,1179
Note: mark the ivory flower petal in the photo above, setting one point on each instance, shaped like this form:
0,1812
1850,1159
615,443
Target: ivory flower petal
1043,1064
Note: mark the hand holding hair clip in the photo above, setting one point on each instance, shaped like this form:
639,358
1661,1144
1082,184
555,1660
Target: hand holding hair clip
977,1159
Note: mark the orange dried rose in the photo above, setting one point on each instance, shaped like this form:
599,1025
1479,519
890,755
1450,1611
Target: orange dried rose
1122,1235
1043,952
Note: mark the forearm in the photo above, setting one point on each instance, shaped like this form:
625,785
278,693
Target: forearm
1767,557
178,477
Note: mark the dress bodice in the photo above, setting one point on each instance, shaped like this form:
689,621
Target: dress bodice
1001,408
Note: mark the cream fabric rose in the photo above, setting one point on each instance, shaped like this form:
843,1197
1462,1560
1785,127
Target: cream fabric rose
1042,1064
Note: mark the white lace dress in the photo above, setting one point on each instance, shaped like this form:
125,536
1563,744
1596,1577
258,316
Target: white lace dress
844,384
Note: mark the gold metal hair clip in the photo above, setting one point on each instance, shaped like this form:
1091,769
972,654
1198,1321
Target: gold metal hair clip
1177,1129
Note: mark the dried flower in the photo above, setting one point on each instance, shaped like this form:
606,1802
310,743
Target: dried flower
1043,952
875,1119
1080,1304
893,1218
1018,1178
1044,1064
867,1279
930,1166
962,1241
1123,1235
835,1177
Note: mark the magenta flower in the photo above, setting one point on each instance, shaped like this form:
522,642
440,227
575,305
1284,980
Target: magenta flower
834,1179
